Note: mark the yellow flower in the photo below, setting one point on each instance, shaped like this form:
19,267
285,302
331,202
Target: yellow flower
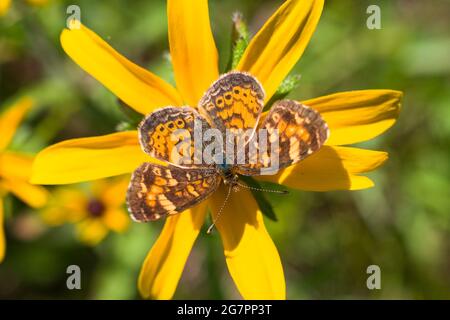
251,256
15,168
6,4
94,211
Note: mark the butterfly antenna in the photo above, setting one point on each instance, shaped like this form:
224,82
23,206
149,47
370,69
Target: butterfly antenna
211,227
263,190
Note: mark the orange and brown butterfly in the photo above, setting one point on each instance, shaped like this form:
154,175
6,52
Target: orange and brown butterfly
233,103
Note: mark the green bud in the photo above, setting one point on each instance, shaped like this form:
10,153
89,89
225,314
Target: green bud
240,38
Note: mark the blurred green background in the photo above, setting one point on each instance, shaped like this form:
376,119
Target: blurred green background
326,240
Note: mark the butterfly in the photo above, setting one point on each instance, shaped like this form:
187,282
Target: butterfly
233,104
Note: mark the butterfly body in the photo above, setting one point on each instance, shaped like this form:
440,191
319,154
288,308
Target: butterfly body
233,104
229,177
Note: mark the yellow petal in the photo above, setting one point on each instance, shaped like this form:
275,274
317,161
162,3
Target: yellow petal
116,219
331,168
15,166
4,6
91,231
280,43
357,116
88,159
115,191
251,256
10,120
192,48
34,196
2,232
137,87
164,264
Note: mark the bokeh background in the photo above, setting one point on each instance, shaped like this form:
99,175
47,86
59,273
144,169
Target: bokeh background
326,240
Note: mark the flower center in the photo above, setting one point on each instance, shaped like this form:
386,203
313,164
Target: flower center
95,208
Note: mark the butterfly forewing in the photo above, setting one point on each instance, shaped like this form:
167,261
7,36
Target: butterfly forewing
233,102
168,134
156,191
297,130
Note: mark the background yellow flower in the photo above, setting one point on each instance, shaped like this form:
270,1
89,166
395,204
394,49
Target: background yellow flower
15,168
5,5
95,209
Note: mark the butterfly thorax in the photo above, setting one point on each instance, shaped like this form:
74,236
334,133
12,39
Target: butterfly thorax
228,174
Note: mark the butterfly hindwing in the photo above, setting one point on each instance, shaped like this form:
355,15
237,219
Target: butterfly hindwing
168,133
300,132
156,191
234,102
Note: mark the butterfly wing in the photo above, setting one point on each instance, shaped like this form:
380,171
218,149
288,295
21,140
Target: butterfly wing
168,134
233,102
156,191
299,130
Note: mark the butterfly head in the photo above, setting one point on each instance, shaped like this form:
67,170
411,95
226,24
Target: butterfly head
229,175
